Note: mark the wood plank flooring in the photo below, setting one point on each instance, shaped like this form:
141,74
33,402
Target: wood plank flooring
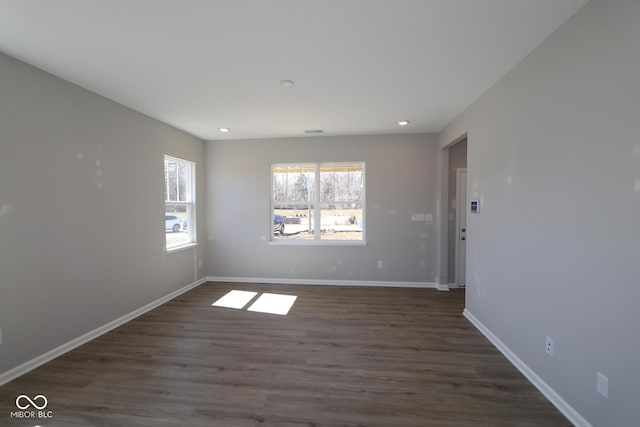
343,356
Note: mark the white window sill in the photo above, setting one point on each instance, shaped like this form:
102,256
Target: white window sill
293,242
181,248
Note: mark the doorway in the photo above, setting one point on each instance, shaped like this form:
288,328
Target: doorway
456,210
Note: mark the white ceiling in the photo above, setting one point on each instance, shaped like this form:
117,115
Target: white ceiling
359,65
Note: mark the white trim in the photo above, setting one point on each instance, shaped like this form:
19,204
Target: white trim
181,247
22,369
281,281
310,242
442,287
461,206
551,395
453,285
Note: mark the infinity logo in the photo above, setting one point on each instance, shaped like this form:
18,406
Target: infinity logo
30,402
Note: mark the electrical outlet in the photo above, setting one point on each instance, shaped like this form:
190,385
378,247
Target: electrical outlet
548,346
380,264
602,385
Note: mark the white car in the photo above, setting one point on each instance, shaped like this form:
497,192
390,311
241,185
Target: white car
172,223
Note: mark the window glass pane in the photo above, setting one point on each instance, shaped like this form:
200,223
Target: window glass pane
340,222
293,222
342,194
293,183
176,225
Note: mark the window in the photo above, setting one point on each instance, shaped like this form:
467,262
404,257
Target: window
179,202
318,202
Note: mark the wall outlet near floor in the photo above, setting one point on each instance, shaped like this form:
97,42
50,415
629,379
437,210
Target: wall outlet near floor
380,264
548,346
602,385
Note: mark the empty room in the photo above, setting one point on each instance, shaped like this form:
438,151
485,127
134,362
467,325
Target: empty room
376,213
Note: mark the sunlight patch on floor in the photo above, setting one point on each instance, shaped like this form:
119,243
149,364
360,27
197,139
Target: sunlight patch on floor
235,299
266,302
273,304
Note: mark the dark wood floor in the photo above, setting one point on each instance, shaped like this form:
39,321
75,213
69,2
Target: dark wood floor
344,356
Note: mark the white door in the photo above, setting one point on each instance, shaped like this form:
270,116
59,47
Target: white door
461,226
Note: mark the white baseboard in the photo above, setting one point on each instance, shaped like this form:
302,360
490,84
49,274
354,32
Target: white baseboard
323,282
442,287
553,397
19,370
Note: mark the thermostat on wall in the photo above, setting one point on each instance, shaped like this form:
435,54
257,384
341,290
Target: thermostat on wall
475,206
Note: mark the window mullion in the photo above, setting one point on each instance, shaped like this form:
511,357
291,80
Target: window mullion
317,221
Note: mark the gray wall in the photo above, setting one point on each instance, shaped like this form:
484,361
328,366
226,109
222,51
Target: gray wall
81,211
401,175
554,157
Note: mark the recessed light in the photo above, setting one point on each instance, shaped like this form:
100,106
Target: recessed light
224,129
287,83
403,122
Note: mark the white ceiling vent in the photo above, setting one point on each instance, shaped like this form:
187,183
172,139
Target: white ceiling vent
313,131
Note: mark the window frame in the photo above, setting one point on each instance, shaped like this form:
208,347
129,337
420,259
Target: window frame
189,204
317,206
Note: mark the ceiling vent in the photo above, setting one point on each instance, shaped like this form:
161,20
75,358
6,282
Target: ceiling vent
313,131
